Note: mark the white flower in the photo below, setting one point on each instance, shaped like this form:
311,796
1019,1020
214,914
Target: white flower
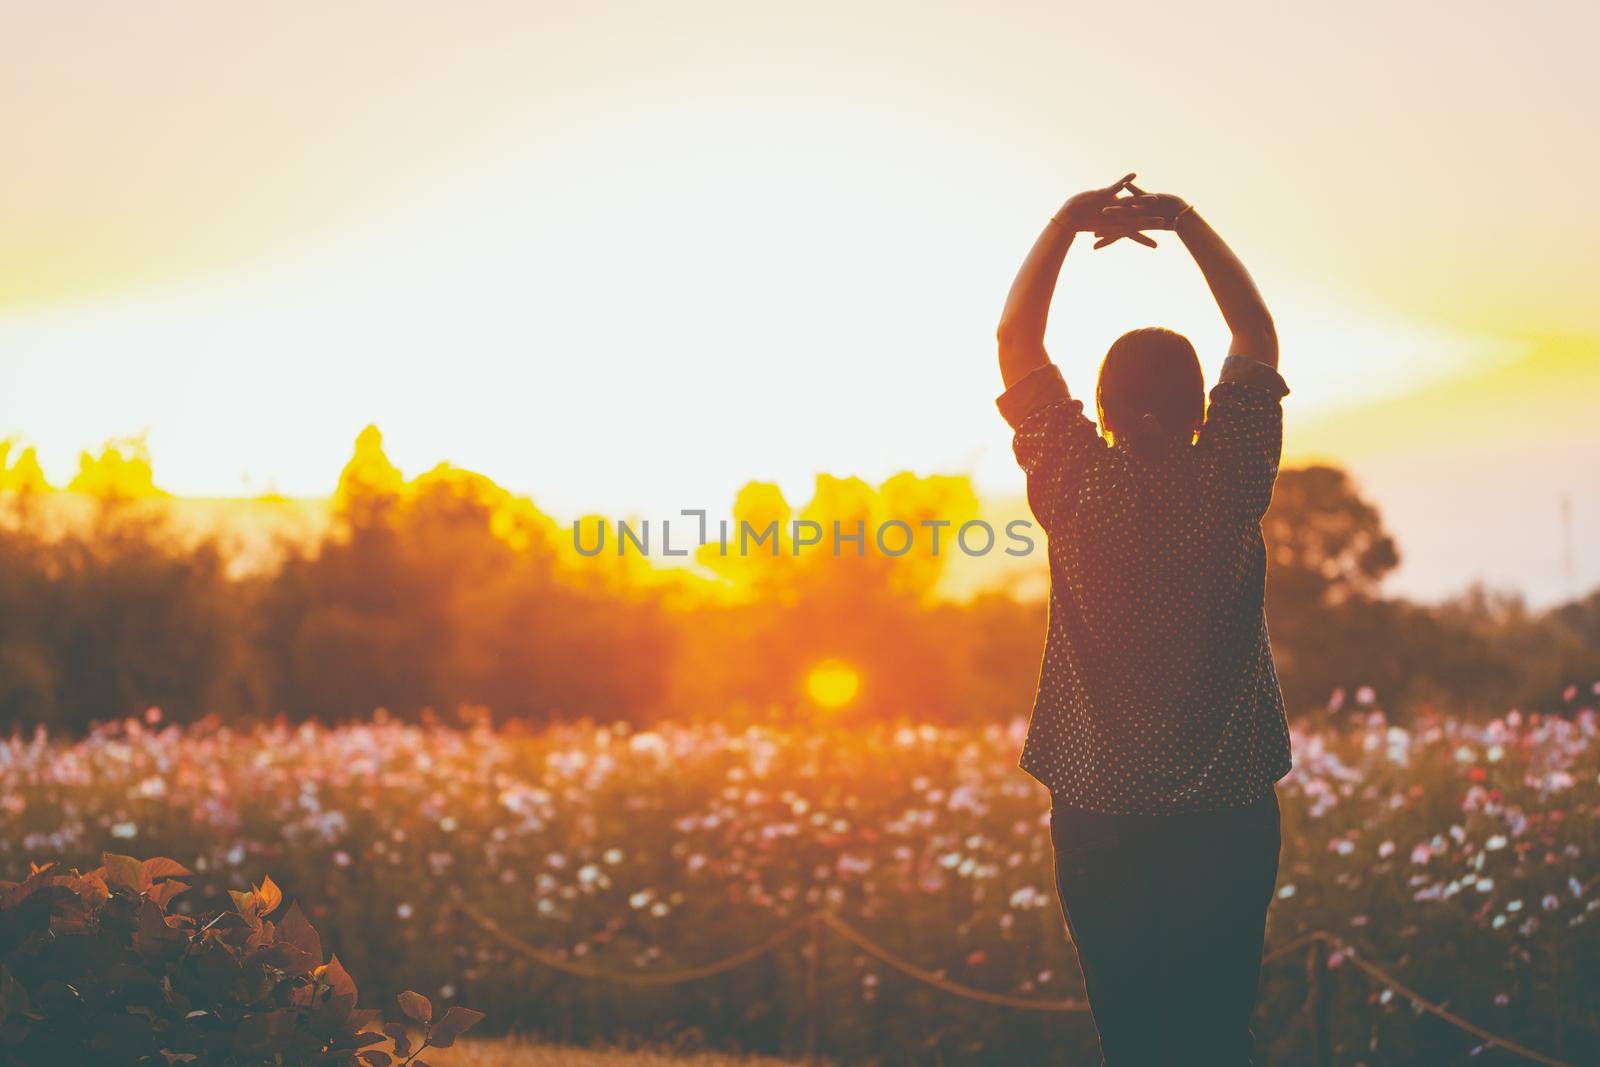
1024,897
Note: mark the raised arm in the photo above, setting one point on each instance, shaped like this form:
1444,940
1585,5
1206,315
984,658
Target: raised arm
1022,323
1242,306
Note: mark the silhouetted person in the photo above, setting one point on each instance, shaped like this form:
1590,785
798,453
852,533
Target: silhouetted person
1158,725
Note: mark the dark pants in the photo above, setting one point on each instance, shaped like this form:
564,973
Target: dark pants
1168,914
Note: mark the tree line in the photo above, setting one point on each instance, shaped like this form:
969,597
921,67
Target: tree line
446,591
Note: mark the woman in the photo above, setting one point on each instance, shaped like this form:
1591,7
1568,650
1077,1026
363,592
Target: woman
1158,725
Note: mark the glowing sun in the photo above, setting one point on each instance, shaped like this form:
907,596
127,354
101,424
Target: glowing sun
833,683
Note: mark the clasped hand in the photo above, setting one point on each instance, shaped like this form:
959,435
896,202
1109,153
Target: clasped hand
1111,216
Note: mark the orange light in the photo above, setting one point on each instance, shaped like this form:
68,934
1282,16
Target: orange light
833,683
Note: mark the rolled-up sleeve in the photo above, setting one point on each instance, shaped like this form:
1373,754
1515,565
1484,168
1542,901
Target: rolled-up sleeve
1030,393
1247,371
1053,440
1243,435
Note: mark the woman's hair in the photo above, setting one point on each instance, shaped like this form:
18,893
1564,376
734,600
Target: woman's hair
1152,371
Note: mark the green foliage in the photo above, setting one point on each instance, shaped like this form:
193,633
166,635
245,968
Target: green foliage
95,969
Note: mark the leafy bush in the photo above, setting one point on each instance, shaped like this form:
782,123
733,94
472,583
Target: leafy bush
95,969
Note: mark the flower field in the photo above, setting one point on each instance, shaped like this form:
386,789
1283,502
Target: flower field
1463,857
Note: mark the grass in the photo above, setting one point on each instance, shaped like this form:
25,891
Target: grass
516,1052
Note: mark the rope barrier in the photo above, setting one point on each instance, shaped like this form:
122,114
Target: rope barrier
1283,950
938,981
658,978
874,949
1439,1010
690,974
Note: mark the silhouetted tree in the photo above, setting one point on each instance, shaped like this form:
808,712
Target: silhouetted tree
1326,543
447,590
117,613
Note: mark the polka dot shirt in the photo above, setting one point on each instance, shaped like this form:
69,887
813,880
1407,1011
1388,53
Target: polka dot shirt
1157,693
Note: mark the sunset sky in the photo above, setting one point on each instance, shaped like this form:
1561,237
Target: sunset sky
625,257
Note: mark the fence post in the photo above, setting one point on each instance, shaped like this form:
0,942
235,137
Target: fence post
813,983
1317,1002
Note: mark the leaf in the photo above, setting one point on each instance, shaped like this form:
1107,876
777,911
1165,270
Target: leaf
216,965
162,894
263,935
92,889
415,1006
246,903
125,872
457,1021
375,1058
154,937
296,930
57,998
161,867
288,959
328,1018
269,895
397,1034
13,995
68,916
337,979
176,1000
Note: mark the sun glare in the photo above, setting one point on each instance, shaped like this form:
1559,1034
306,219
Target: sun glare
833,683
